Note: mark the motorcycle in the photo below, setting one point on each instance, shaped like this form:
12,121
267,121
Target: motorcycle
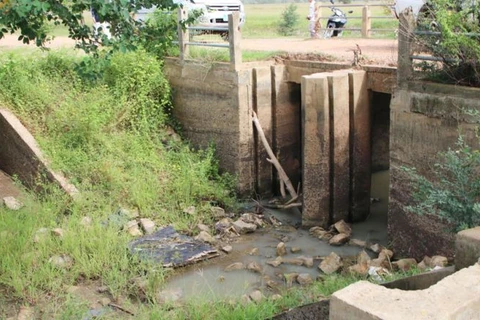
336,22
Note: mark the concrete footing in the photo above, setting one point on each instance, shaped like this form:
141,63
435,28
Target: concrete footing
455,297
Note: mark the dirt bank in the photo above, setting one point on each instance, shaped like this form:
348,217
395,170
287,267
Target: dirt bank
379,51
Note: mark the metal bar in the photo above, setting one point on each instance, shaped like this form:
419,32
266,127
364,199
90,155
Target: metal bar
206,44
208,28
356,17
437,33
430,58
355,5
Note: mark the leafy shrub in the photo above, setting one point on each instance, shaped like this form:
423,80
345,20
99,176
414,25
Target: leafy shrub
289,20
458,43
137,81
454,194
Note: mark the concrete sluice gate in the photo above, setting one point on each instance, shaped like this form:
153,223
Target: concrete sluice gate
317,117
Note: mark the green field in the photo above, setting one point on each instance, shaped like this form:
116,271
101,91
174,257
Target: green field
262,20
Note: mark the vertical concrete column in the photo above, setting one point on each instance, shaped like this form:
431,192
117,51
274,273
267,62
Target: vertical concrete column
360,146
262,105
316,151
234,37
183,35
245,148
286,125
340,147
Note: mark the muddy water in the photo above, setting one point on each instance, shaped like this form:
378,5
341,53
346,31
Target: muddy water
208,280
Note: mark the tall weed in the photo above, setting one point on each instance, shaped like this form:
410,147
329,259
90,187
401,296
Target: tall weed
107,136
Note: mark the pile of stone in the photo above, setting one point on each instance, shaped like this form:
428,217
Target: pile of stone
338,234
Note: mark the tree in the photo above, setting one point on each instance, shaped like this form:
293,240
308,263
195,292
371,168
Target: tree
30,18
289,20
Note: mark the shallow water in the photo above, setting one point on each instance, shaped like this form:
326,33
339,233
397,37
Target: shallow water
208,280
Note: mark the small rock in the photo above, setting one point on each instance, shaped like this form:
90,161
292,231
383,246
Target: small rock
203,227
294,261
342,227
281,249
235,266
275,297
273,285
357,243
254,252
133,228
86,221
40,235
380,262
105,301
304,279
275,263
255,267
326,236
438,261
147,225
245,299
376,248
61,262
332,263
315,231
363,258
227,248
307,261
12,203
290,278
242,227
25,313
295,249
205,237
422,266
385,253
405,264
218,212
359,269
223,225
256,296
190,210
173,296
339,239
58,232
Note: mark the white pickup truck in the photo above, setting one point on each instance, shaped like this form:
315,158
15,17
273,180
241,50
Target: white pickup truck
214,12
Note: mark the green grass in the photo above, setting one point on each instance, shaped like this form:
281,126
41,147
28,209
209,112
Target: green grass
262,20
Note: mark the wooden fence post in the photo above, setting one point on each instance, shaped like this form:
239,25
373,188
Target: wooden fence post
183,34
406,28
366,22
234,37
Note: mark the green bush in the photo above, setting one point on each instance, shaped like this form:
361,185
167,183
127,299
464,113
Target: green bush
289,21
457,45
454,193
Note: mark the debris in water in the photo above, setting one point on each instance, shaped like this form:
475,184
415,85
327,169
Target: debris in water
171,249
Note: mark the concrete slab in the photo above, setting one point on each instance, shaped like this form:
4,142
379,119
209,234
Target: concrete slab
21,156
455,297
467,248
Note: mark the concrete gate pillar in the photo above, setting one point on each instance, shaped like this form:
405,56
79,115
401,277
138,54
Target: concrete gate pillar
336,147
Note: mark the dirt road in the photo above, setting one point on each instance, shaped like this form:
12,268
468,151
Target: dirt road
379,51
